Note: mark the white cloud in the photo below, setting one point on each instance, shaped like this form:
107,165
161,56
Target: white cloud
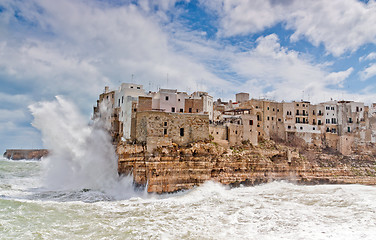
368,72
337,78
339,25
371,56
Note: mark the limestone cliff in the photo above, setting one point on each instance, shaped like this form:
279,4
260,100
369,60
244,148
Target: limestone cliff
174,168
19,154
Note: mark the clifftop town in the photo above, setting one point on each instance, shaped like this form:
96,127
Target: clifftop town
158,119
172,140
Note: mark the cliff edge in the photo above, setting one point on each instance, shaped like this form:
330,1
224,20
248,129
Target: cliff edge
174,168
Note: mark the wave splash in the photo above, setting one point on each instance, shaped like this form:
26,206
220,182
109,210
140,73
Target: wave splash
81,155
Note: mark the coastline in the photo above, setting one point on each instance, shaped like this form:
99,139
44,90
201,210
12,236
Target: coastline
175,168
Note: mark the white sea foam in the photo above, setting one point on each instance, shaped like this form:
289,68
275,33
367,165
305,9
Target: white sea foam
81,155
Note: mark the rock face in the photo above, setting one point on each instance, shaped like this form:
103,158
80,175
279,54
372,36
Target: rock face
18,154
174,168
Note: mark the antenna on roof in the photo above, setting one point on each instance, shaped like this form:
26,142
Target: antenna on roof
132,78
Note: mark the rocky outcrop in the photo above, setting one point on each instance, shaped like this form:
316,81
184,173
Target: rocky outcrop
19,154
175,168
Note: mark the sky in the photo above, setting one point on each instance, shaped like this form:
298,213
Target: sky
315,50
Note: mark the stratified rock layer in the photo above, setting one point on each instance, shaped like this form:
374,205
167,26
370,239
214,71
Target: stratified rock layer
174,168
19,154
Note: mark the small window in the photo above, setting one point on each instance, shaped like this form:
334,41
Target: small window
122,99
181,132
268,118
190,110
236,131
288,127
301,128
165,124
272,118
250,122
172,109
179,100
348,129
135,110
273,109
297,105
196,110
268,108
131,86
181,110
138,88
166,98
314,128
165,131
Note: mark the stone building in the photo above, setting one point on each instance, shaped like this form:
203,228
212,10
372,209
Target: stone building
108,114
157,128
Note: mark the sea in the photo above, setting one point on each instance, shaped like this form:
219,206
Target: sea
76,193
277,210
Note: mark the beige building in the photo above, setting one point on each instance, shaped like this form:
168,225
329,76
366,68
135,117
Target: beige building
157,128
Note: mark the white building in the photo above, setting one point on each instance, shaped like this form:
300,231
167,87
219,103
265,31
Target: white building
127,94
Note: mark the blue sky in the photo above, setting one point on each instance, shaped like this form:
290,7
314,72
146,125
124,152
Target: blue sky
281,50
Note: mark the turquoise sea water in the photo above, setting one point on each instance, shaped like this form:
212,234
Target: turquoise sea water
28,210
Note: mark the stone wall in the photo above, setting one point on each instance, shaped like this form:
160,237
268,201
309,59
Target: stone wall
194,105
181,128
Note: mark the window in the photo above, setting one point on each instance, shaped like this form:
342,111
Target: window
273,109
165,131
332,108
289,127
297,112
314,128
165,124
268,108
272,118
190,110
350,120
357,109
182,132
131,86
250,122
297,120
327,108
122,99
327,121
172,109
119,103
279,120
334,130
334,121
348,129
166,98
301,128
179,100
258,117
268,118
303,105
135,110
138,88
297,105
319,122
181,110
196,110
107,96
327,130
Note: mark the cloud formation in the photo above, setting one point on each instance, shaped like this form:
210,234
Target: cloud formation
340,26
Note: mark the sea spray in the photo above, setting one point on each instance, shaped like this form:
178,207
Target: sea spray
81,155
